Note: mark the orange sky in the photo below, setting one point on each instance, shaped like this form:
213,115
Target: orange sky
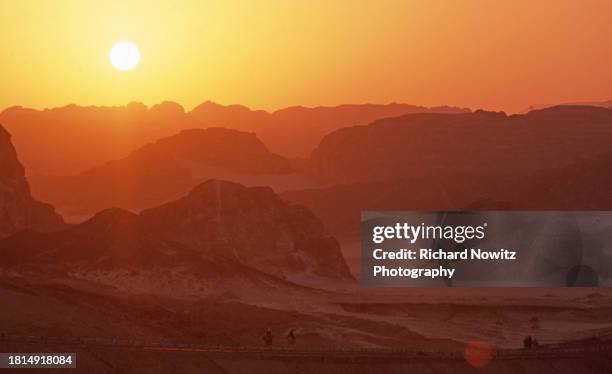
271,54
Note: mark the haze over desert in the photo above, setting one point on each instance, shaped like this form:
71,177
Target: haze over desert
188,186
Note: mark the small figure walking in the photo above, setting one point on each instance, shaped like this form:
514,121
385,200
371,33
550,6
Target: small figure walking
291,337
268,338
528,342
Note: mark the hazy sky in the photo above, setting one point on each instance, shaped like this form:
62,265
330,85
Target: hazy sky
271,54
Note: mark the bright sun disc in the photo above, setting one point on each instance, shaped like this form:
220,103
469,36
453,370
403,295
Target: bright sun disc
124,56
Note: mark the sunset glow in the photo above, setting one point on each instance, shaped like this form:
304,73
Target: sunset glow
347,187
499,55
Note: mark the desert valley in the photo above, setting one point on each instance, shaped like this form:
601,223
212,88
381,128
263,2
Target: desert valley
210,226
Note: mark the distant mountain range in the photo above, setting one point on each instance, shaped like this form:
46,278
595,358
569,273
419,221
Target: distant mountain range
76,138
430,145
472,155
603,104
165,170
553,159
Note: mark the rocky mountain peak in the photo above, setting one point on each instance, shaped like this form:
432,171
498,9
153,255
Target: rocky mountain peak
251,225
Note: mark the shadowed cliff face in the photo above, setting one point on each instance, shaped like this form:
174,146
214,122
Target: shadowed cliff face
220,230
18,210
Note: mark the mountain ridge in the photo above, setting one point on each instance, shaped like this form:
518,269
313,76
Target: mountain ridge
221,231
163,170
114,131
427,144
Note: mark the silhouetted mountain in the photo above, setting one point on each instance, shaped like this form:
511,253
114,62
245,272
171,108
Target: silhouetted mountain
87,136
164,170
436,145
296,131
220,230
250,225
113,132
18,210
167,111
603,104
230,116
553,159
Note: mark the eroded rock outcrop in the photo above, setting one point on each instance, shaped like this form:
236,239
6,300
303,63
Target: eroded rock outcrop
18,210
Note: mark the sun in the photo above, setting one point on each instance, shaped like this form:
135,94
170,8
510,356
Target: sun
124,55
